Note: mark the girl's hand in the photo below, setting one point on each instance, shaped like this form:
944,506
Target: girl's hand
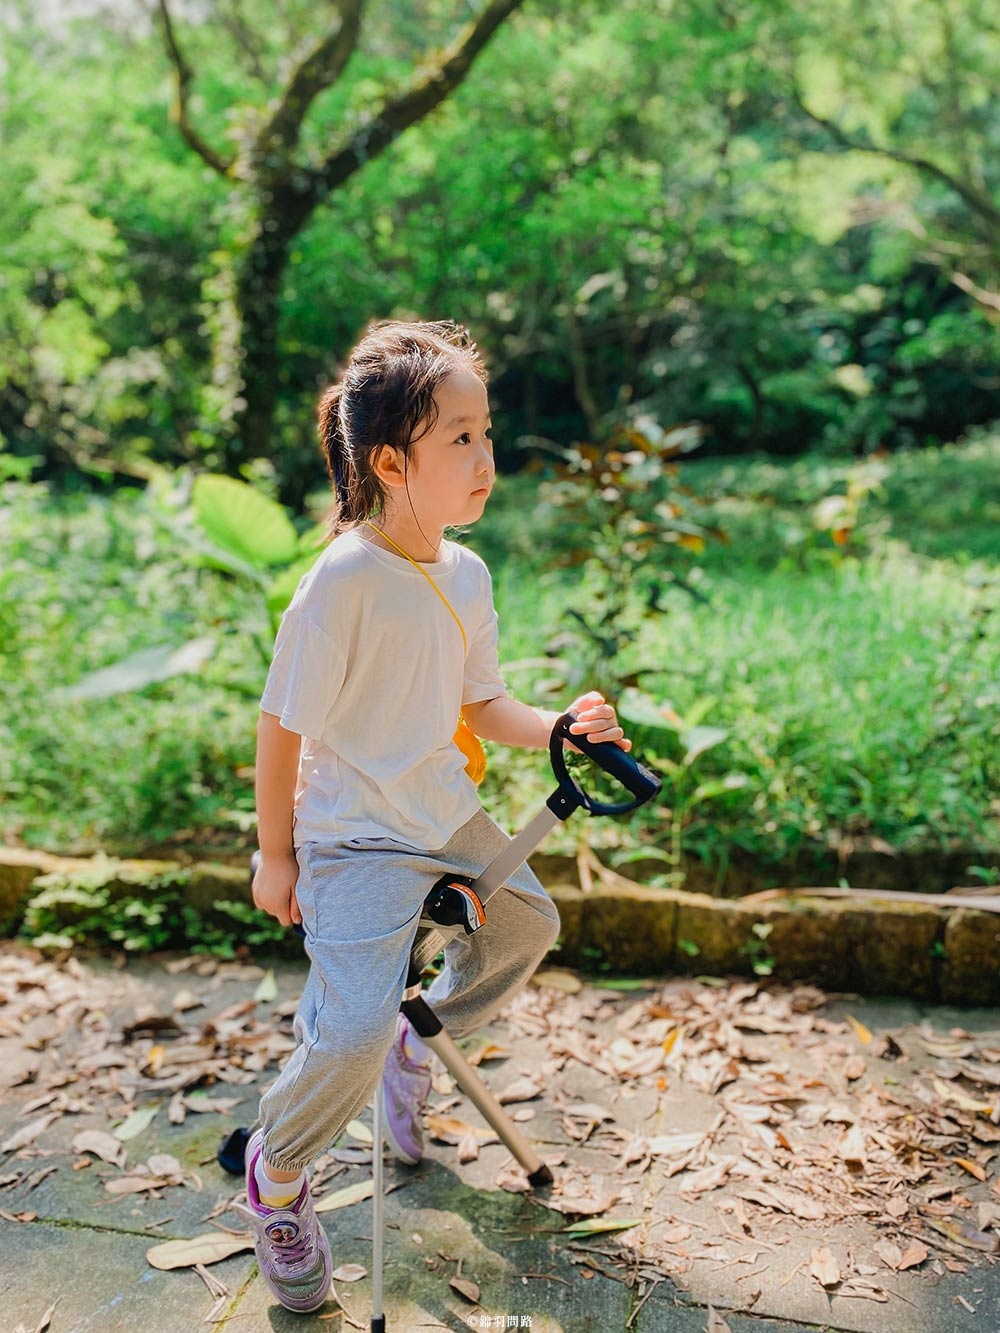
597,720
274,888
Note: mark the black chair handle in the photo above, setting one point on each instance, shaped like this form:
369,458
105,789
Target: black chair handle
633,776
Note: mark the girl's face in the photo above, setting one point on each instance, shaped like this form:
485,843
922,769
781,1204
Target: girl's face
450,472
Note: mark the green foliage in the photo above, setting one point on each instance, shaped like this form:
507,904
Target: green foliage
858,694
858,691
657,730
615,512
129,769
757,949
235,927
237,529
776,221
105,904
108,905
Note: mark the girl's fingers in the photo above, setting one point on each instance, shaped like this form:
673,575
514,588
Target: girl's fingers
598,721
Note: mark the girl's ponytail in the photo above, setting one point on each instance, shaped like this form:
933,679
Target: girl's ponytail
331,436
336,451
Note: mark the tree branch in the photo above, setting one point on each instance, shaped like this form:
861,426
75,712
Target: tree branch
183,75
247,41
396,114
981,295
980,204
318,71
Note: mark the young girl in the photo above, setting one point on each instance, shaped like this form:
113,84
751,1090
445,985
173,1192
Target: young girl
364,797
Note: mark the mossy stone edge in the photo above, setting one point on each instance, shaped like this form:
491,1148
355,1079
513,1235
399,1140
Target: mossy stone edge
870,947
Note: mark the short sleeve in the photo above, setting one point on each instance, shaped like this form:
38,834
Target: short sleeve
306,674
482,680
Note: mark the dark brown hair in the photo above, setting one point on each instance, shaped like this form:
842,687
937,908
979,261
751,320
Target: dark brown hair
386,396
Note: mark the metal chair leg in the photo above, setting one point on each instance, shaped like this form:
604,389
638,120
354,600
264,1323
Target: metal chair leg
378,1213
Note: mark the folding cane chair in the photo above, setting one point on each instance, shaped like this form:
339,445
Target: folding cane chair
456,904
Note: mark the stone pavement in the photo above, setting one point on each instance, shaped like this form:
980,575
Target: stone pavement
608,1113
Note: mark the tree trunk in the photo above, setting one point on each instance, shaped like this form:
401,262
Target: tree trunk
256,310
285,193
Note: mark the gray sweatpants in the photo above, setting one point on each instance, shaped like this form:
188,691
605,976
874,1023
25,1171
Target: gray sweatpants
360,905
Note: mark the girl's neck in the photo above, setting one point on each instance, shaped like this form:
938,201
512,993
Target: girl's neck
396,530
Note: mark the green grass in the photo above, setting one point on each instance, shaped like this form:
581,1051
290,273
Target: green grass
860,690
84,583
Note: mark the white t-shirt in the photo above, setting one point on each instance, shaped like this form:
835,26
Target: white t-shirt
368,668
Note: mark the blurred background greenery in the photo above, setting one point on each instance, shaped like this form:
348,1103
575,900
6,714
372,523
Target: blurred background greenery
735,267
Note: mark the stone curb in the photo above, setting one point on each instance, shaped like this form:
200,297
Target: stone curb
870,947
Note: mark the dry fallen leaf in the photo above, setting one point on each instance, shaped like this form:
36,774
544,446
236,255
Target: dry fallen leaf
854,1068
852,1146
164,1164
491,1051
207,1249
824,1267
860,1031
363,1189
890,1254
449,1129
203,1104
22,1137
349,1273
973,1168
676,1235
914,1254
959,1098
44,1324
521,1090
709,1178
673,1145
468,1149
716,1323
467,1288
102,1145
557,979
268,988
358,1130
136,1184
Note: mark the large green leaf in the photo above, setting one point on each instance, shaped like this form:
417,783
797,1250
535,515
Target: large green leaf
643,711
696,740
707,791
149,666
240,520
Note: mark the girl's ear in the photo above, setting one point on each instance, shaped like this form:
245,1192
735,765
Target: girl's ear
389,465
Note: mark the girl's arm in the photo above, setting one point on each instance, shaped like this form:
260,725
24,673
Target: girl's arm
514,723
276,773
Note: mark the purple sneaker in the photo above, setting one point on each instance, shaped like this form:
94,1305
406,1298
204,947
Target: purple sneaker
405,1085
293,1252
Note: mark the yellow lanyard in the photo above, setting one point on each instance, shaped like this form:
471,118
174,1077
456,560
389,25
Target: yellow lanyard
465,738
385,537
